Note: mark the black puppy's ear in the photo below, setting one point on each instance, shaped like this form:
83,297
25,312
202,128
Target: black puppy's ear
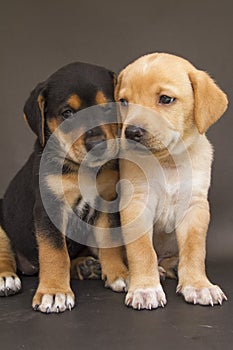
114,77
34,111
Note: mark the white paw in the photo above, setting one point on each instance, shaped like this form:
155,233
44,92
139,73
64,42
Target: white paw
204,296
147,298
119,285
58,302
9,285
162,273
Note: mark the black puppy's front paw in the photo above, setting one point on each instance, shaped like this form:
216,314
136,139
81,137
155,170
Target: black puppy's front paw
53,302
10,284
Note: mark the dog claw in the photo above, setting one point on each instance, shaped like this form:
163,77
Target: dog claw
224,297
48,310
36,307
146,299
70,307
128,302
211,302
220,301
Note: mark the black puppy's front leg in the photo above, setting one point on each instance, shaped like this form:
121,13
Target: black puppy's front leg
53,293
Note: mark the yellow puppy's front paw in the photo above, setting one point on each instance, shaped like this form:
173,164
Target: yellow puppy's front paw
54,302
146,298
211,295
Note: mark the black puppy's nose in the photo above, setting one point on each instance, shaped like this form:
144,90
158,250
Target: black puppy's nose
134,133
95,138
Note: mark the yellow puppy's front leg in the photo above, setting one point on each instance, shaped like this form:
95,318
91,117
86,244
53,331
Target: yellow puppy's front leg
191,236
145,290
137,210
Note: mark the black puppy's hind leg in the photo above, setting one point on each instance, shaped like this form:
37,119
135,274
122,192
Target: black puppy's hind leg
9,281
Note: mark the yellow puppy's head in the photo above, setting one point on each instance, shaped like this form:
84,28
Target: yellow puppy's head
177,98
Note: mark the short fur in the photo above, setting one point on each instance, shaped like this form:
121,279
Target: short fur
198,104
29,242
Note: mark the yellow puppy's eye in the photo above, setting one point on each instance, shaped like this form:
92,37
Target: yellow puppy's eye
166,100
124,103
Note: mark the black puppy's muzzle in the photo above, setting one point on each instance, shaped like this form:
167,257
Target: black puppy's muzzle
134,133
95,140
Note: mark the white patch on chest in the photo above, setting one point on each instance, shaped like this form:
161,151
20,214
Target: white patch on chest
174,193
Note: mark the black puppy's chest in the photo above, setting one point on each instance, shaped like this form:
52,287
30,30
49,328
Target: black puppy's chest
80,225
80,211
80,197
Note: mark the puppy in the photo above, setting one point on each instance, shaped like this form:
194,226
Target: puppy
39,230
166,106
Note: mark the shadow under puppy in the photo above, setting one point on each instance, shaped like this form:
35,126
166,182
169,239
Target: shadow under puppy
166,106
29,239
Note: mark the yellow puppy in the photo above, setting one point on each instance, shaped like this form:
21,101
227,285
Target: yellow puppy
166,107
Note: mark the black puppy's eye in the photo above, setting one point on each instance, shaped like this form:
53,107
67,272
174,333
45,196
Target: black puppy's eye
124,103
67,113
166,100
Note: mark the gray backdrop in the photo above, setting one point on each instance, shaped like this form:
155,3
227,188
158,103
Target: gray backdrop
38,37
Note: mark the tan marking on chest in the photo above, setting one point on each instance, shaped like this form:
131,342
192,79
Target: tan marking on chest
65,187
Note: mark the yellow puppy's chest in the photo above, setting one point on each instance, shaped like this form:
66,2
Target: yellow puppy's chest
168,193
164,236
165,214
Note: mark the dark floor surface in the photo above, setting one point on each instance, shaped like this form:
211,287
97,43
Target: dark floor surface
101,321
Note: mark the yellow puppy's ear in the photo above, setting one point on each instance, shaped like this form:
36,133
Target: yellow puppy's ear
210,102
118,85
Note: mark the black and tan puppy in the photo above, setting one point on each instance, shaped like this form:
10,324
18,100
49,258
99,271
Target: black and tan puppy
29,240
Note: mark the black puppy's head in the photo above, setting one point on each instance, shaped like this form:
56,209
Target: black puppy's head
72,89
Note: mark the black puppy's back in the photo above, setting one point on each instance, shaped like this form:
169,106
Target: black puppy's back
17,216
